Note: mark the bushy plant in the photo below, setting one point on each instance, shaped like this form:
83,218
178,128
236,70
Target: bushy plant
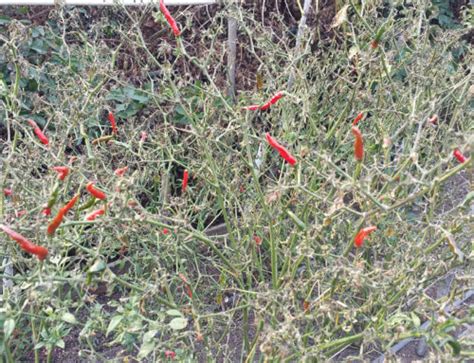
286,282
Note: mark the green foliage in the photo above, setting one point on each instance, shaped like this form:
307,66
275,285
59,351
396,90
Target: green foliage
129,100
444,15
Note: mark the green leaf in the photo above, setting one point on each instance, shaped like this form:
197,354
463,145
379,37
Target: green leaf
415,319
116,95
135,94
148,344
121,107
69,318
467,200
39,345
137,97
295,219
180,110
37,31
98,266
114,323
174,312
398,319
456,347
178,323
60,343
39,46
8,328
4,20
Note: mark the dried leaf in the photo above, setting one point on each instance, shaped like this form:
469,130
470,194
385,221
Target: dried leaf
273,196
340,17
304,151
390,232
259,81
353,51
337,204
453,246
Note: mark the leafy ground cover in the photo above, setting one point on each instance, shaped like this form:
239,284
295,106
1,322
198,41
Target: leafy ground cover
259,255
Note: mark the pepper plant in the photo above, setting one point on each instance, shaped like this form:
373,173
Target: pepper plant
183,228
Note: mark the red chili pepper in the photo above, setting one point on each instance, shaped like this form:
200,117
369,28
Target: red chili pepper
93,215
358,144
364,232
62,171
170,354
95,192
433,119
186,284
121,171
184,184
132,203
258,240
272,101
458,155
25,244
54,224
357,119
111,118
7,192
281,150
39,133
267,104
71,203
183,278
20,213
169,19
252,107
306,306
189,292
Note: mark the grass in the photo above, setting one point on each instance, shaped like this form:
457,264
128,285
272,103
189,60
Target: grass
305,292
